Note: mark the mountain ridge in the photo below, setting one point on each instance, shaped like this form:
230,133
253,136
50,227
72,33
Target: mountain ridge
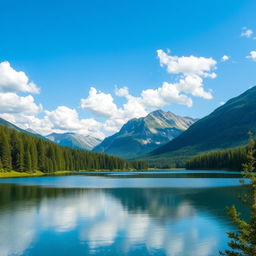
73,140
141,135
225,127
15,127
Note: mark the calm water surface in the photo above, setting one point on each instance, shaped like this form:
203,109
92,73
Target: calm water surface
175,213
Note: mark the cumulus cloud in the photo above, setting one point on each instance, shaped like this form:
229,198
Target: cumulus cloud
67,119
134,107
99,103
13,103
20,110
246,32
166,94
102,105
191,72
40,125
224,58
252,55
191,65
24,112
12,80
122,92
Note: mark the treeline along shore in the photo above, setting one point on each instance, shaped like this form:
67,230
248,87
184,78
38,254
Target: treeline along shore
22,152
226,159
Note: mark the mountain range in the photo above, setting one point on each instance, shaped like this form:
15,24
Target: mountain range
226,127
73,140
141,135
164,139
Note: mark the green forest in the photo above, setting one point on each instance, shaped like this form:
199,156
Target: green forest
25,153
227,159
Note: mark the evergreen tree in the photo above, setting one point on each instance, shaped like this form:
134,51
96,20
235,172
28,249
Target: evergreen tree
243,241
5,151
27,161
229,159
34,155
41,155
1,166
17,152
28,153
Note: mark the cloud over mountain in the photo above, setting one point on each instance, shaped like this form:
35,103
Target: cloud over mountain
107,114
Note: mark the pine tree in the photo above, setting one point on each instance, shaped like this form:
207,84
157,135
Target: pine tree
34,156
41,155
243,241
5,152
17,152
1,166
27,161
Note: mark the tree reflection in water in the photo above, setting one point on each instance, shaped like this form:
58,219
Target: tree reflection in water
165,221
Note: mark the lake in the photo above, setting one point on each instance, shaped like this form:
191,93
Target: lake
174,213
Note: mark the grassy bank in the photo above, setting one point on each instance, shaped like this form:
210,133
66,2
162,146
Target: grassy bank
14,174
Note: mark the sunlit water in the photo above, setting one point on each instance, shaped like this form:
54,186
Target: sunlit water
157,213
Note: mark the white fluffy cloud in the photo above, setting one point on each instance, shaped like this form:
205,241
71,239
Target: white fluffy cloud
24,112
165,95
187,66
103,104
99,103
252,55
13,103
225,58
191,72
246,32
122,92
12,80
20,110
25,121
67,119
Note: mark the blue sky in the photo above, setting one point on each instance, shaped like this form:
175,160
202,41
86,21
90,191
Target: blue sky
67,47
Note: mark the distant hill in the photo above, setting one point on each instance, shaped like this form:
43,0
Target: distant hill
141,135
28,131
73,140
10,125
225,127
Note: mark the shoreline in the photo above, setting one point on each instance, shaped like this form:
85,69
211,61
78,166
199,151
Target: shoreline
15,174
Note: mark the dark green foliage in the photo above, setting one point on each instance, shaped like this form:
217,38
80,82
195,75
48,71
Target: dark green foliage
22,152
1,166
17,152
228,159
243,241
27,161
139,165
5,150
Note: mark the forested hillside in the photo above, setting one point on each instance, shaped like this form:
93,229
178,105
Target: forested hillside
24,153
228,159
224,128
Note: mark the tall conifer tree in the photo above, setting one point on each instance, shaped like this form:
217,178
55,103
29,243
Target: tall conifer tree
243,241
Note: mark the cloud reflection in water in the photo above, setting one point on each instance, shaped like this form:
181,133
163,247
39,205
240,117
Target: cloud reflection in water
172,221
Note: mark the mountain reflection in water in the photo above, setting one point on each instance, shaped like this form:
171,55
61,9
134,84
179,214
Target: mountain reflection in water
36,220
